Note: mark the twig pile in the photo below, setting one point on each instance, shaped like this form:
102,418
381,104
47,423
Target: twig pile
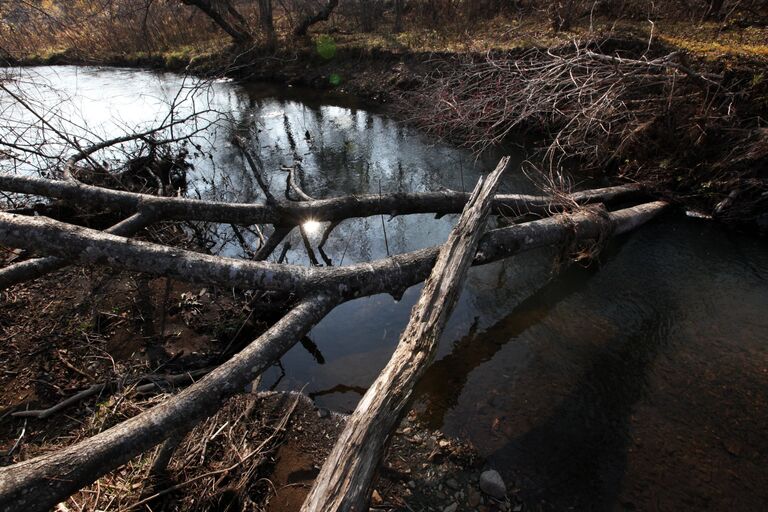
590,106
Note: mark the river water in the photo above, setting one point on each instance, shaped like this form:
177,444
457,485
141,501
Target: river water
637,383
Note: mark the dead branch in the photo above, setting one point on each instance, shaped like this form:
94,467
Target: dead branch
294,213
38,267
390,275
42,414
345,479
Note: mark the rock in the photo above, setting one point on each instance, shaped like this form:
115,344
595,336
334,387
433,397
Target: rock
474,498
452,483
453,507
444,443
492,484
376,498
323,413
412,484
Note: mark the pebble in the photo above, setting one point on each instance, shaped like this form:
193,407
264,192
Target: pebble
474,498
453,507
492,484
452,483
323,413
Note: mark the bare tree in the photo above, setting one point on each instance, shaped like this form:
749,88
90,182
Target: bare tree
311,19
234,24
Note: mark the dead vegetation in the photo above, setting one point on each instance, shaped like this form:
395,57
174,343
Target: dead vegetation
610,107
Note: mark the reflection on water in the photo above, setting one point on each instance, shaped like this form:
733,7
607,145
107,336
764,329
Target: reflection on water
640,383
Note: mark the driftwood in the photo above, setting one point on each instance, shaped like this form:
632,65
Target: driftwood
40,483
344,481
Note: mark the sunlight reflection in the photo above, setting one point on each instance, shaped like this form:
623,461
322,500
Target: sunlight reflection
312,227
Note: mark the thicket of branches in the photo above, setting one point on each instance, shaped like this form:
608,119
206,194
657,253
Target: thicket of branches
611,106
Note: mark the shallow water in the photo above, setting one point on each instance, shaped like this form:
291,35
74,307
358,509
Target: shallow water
639,383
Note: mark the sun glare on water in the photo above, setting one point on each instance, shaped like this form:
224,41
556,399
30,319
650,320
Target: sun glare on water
311,227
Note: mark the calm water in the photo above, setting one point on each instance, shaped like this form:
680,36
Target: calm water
639,383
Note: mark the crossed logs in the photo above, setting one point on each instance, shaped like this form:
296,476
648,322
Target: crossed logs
345,479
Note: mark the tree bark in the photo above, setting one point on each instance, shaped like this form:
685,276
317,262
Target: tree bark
267,23
344,482
295,213
38,267
391,275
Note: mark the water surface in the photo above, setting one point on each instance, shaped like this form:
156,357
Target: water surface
637,383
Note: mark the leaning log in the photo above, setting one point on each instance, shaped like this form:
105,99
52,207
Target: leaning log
40,483
343,484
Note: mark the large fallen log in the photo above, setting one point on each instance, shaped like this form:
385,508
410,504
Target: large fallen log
345,478
296,212
40,483
38,267
390,275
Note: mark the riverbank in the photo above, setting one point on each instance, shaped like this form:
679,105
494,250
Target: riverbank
692,129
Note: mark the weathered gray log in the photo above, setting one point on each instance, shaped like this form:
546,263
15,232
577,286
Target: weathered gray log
38,267
344,482
292,212
391,275
40,483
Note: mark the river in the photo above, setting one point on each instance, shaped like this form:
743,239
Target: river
639,382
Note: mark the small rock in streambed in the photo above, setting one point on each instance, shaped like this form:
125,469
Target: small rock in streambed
492,484
323,413
453,507
452,484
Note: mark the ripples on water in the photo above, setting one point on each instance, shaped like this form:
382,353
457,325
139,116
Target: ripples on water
639,383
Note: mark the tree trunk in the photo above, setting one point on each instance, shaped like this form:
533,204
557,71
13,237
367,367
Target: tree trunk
345,479
321,15
267,23
239,34
398,16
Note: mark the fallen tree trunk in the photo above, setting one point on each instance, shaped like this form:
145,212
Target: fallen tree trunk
345,478
38,267
297,212
40,483
391,275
